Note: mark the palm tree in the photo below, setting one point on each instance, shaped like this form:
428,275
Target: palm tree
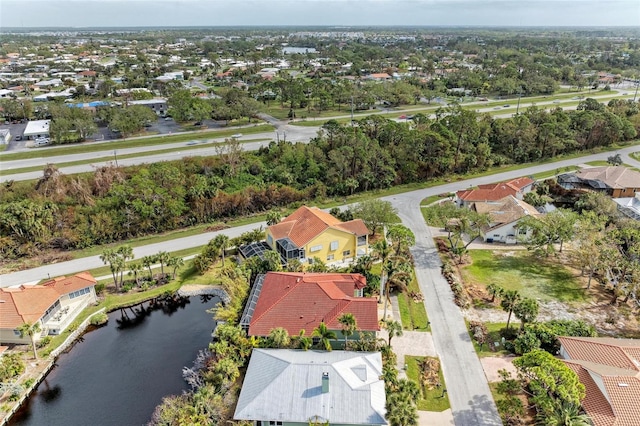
394,328
279,338
401,411
398,276
510,299
135,269
28,329
175,262
108,257
304,342
495,291
564,414
163,258
349,326
147,262
222,242
382,251
325,335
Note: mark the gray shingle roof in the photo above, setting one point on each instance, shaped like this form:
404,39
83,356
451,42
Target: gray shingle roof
286,385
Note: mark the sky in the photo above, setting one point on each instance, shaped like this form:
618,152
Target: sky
127,13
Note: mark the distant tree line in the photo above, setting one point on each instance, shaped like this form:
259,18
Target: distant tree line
112,203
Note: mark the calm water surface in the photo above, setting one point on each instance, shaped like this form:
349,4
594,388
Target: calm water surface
116,375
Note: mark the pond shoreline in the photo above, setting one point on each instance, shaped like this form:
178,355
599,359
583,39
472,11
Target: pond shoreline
50,360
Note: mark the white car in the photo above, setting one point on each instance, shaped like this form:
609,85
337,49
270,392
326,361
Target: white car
237,135
42,141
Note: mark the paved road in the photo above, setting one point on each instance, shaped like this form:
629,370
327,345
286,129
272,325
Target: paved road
282,131
471,400
290,133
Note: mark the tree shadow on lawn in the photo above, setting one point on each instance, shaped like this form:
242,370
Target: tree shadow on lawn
532,276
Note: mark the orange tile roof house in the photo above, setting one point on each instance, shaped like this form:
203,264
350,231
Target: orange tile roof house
495,191
301,301
54,304
504,216
616,181
310,232
609,369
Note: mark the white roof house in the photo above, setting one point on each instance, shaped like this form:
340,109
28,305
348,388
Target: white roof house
36,128
295,386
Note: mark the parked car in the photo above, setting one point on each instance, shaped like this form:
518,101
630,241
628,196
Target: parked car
237,135
18,138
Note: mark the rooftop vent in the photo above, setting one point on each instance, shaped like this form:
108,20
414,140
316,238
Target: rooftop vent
325,382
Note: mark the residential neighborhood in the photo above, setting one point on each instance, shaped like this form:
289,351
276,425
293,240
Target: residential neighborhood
352,226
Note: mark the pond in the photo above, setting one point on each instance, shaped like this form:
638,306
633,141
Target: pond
117,374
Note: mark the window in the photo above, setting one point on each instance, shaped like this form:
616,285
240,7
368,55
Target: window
315,248
334,245
78,293
270,240
272,423
496,235
330,257
16,332
358,293
346,253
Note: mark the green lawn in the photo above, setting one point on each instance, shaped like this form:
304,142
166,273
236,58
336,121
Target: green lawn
432,399
534,277
413,314
493,329
635,155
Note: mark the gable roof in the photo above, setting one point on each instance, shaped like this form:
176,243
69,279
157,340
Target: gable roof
301,301
610,371
306,223
611,176
507,210
495,191
286,385
28,303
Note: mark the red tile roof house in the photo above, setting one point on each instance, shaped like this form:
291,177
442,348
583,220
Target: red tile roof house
54,304
609,369
299,301
495,191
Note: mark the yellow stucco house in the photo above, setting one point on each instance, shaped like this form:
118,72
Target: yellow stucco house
310,232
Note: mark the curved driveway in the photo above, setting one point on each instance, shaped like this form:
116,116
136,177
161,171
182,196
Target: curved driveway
471,400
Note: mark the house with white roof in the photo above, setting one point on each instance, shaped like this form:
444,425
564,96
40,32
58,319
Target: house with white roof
298,388
36,129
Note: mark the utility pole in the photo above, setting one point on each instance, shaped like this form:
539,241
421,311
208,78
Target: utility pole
115,156
636,94
519,96
351,111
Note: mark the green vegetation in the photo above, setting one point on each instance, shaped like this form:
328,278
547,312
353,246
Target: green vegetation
434,399
412,312
518,270
133,143
494,334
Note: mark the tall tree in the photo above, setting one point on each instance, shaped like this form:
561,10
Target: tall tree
510,299
526,310
324,335
402,237
349,326
375,214
394,329
31,330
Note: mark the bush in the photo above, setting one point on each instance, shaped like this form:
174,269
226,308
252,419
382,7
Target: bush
11,365
99,319
100,288
44,342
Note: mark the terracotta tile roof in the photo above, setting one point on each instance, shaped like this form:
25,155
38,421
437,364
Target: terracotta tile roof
603,351
306,223
301,301
355,226
506,210
594,404
610,370
28,303
495,191
612,176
